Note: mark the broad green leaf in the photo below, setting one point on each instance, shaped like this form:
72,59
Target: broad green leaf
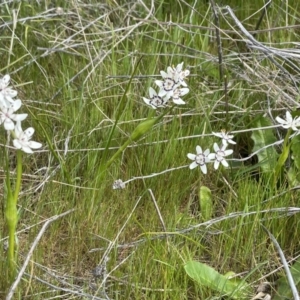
209,277
283,290
267,157
205,202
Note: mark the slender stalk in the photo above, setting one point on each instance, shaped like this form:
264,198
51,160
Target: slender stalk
11,213
11,218
19,176
283,156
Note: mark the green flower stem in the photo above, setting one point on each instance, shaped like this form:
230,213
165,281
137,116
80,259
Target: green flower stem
11,212
283,156
12,219
19,176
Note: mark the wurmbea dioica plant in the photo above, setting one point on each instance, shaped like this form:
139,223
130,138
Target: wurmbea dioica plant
11,122
172,87
202,158
169,87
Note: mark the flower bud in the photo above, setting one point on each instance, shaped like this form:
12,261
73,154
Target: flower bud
142,128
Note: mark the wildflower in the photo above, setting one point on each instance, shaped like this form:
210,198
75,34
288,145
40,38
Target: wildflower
6,93
200,159
289,122
220,155
168,84
155,99
118,184
226,137
22,139
7,114
178,93
179,73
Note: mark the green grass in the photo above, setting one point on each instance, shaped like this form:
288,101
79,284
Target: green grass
71,72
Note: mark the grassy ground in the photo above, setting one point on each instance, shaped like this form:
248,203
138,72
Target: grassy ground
71,66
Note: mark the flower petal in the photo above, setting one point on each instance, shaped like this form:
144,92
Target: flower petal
224,163
198,149
19,117
9,100
147,101
228,152
184,91
193,165
9,124
6,79
34,145
178,101
191,156
159,83
279,120
17,144
211,156
216,164
152,92
289,117
16,104
26,149
203,168
206,152
164,74
186,73
216,147
29,132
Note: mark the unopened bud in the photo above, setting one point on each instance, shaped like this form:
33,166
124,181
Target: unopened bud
142,128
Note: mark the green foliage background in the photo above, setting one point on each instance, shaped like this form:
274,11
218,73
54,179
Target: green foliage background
71,66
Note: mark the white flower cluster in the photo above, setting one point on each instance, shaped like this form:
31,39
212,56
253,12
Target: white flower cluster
12,121
200,159
118,184
172,85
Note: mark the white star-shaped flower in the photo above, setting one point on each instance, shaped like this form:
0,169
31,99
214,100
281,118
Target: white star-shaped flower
200,159
155,100
169,83
219,155
23,139
118,184
177,95
6,93
179,73
289,122
225,136
8,116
